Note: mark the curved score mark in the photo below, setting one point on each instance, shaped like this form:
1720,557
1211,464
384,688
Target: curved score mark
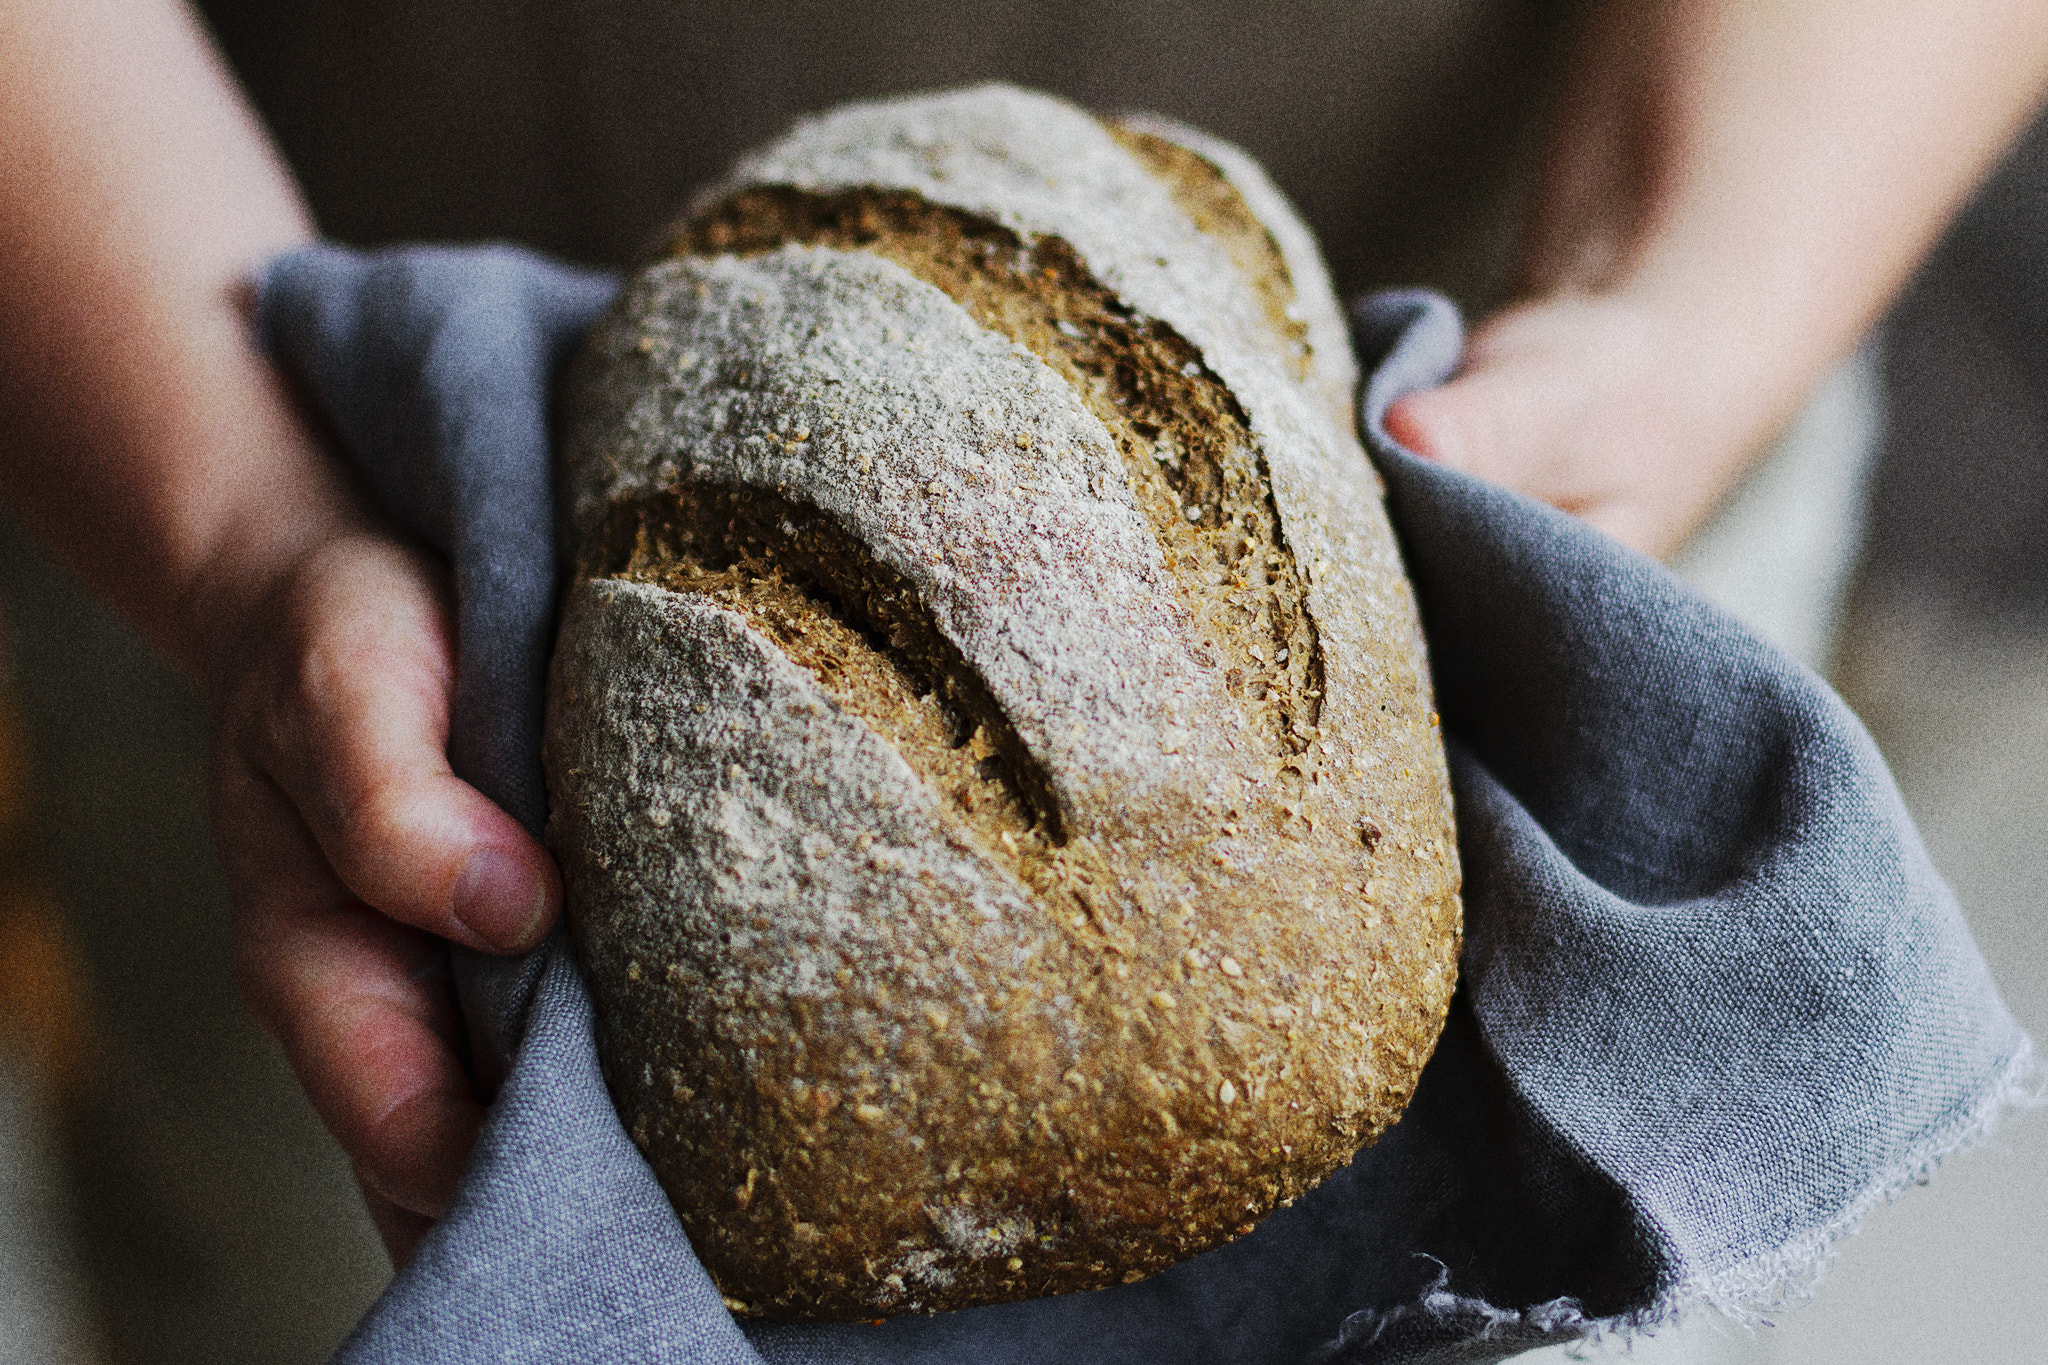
858,627
1187,447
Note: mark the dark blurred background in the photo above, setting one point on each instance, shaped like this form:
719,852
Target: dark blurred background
168,1197
1396,125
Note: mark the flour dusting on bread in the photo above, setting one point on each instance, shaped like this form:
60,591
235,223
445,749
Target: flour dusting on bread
990,741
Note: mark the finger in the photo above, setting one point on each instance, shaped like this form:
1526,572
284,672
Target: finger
1539,382
356,731
1512,426
1642,528
1616,468
401,1229
362,1006
1429,425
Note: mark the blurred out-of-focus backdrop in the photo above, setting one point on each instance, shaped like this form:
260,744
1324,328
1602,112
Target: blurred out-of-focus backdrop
167,1196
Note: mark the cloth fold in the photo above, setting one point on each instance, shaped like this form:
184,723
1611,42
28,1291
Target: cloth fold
433,367
1715,1000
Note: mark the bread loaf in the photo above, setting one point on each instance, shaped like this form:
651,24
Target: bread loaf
989,741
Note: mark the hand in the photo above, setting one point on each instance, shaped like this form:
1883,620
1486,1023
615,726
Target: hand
353,852
1600,406
141,194
1729,196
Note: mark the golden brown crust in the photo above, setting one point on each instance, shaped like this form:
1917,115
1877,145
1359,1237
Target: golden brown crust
1206,195
1165,1010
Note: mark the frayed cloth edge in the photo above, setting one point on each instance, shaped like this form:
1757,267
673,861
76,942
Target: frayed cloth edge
1743,1295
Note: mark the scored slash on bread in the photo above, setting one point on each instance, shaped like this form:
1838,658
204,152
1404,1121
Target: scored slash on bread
990,744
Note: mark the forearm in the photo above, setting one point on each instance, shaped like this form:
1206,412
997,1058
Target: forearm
141,434
1734,191
1765,174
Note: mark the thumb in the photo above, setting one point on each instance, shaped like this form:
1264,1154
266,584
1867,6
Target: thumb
353,728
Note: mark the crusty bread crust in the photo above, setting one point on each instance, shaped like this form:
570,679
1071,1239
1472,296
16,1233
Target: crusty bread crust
990,741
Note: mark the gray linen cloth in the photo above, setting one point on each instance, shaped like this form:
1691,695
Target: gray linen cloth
1715,1003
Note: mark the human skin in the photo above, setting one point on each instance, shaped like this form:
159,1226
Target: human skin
146,441
1733,192
1709,234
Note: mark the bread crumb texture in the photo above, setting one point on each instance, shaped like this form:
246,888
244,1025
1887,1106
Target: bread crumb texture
990,744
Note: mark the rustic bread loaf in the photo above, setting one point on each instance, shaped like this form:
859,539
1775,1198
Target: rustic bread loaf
990,741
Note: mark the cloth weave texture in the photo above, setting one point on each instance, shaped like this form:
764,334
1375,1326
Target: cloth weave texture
1715,1001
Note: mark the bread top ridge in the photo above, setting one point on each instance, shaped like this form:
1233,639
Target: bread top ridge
1044,169
1312,299
948,464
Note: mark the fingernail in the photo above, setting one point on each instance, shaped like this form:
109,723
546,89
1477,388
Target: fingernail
500,900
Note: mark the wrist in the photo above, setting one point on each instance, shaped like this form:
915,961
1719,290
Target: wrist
275,496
